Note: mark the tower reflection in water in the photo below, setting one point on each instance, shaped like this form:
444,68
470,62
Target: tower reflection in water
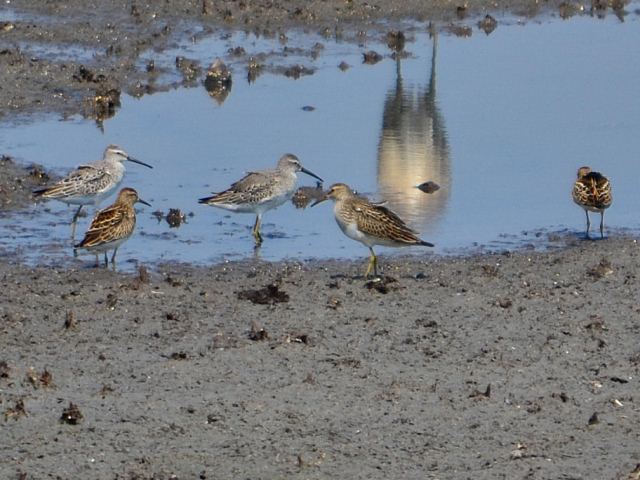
414,149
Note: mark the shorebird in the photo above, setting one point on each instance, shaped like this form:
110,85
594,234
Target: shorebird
592,191
112,226
91,183
260,191
369,223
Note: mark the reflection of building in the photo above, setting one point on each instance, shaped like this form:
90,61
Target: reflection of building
413,149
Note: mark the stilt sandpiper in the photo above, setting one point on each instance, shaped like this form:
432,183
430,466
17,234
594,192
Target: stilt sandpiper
112,226
90,183
369,223
592,191
261,191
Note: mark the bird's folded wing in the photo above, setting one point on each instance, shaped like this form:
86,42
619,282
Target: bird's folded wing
103,225
81,177
381,222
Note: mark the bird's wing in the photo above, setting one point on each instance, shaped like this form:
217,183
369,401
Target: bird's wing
247,188
251,181
379,221
104,226
78,180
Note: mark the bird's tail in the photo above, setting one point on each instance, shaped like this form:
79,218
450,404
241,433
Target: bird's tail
426,244
39,192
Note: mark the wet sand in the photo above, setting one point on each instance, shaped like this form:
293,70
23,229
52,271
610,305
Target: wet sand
514,365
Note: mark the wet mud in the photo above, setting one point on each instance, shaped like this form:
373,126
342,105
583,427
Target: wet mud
514,365
78,57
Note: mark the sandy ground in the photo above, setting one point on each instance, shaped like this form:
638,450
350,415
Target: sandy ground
517,366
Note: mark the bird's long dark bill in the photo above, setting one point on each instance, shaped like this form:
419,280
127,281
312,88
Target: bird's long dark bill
320,200
135,160
308,172
142,201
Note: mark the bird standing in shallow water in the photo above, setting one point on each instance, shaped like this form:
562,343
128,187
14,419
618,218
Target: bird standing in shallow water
368,223
260,191
112,226
90,183
592,191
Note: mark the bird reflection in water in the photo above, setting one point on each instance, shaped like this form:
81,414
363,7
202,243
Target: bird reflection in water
414,149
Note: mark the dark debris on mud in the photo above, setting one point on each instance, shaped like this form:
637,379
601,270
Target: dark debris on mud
268,295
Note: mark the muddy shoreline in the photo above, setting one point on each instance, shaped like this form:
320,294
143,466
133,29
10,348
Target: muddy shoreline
515,365
520,365
78,58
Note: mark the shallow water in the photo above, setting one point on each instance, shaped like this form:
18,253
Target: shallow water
500,122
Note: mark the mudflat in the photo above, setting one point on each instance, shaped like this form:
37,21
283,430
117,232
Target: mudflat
514,365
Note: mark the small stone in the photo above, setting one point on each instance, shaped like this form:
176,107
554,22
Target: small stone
371,57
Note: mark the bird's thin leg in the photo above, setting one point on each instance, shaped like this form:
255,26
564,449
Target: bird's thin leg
106,260
373,264
588,223
256,230
602,224
74,222
97,260
113,257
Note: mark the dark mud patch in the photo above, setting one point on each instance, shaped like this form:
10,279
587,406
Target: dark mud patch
268,295
17,183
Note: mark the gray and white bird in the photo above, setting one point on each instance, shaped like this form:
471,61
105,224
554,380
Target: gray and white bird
89,184
260,191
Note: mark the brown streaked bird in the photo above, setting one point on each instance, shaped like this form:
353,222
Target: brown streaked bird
260,191
112,226
369,223
592,191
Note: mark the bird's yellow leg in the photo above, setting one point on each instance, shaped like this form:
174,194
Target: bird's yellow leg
373,264
256,231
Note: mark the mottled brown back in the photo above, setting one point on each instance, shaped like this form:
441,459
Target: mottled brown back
378,221
592,190
113,223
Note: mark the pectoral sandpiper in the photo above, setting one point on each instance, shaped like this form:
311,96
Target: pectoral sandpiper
90,183
260,191
112,226
369,223
592,191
